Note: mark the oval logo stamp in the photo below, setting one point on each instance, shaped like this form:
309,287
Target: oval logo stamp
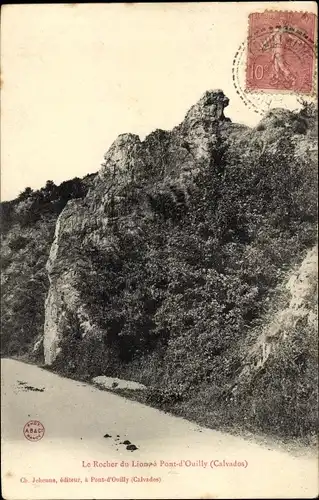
33,430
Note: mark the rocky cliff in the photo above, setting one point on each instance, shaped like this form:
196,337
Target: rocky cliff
168,267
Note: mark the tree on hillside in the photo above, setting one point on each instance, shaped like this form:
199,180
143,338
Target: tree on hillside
25,194
49,186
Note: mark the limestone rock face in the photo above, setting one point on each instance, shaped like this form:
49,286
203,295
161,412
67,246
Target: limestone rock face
63,304
211,107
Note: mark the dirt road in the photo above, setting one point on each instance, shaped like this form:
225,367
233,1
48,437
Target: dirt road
187,461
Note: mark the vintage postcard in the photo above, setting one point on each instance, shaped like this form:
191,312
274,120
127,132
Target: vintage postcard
159,251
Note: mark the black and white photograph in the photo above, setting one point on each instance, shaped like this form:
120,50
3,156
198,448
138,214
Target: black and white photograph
159,252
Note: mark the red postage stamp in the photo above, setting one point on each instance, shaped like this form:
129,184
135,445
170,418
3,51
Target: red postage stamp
33,430
281,52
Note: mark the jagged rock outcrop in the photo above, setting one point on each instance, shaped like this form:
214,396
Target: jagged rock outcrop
164,269
132,172
128,162
211,107
63,297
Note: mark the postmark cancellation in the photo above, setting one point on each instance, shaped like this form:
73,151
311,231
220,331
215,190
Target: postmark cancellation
281,50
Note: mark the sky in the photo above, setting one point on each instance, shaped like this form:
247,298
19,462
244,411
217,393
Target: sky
75,76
